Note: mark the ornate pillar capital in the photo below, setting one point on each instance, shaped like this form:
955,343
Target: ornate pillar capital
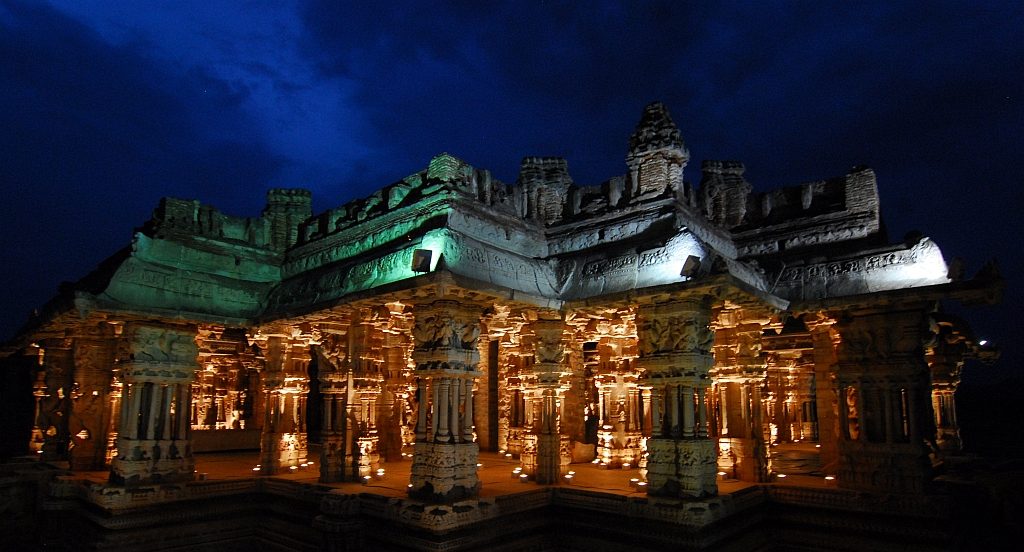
445,335
675,337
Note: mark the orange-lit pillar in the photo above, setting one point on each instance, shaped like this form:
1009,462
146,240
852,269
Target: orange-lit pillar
548,376
675,356
445,336
154,444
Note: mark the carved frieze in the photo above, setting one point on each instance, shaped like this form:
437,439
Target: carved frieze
883,337
437,327
679,327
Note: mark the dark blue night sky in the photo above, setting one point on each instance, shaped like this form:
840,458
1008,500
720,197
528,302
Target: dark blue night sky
106,106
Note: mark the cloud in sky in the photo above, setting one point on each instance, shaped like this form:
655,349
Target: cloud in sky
107,106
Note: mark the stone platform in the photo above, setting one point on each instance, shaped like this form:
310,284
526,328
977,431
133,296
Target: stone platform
229,506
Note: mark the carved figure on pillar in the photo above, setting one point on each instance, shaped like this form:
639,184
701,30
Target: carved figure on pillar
445,351
675,356
153,445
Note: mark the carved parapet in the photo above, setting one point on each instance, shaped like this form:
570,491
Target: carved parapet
657,154
448,168
725,192
655,131
546,182
286,209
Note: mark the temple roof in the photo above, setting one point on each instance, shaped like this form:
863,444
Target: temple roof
545,238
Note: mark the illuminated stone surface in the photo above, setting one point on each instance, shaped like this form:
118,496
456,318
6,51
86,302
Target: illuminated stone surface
691,334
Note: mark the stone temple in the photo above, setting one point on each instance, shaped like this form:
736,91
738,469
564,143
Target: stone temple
458,363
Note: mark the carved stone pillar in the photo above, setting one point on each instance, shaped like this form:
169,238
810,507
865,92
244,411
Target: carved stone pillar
363,389
154,443
445,335
35,444
740,373
55,405
945,356
395,369
945,372
885,409
547,457
675,356
283,442
336,450
90,421
825,338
